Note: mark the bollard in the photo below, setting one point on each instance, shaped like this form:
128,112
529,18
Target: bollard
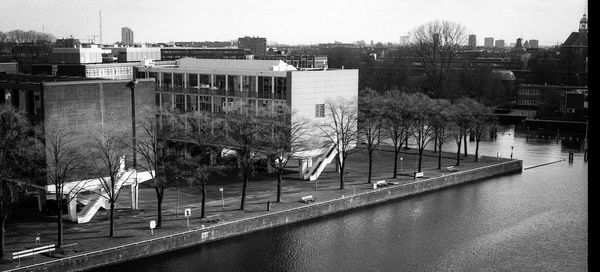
570,156
268,205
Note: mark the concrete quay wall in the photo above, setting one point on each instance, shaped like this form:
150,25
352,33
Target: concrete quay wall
234,228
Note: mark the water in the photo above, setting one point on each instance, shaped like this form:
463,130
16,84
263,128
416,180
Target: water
533,221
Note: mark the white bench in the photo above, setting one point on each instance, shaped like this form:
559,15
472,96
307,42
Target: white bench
418,175
30,252
451,169
215,218
380,183
308,198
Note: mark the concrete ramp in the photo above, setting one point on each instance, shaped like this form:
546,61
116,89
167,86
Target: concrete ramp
313,172
101,198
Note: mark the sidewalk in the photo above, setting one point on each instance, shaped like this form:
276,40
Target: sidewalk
133,226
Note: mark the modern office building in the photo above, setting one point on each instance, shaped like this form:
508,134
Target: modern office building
499,44
209,85
77,55
257,45
137,54
126,36
472,41
488,42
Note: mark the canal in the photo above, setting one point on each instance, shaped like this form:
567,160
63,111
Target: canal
533,221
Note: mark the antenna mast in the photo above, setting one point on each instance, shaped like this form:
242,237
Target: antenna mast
100,15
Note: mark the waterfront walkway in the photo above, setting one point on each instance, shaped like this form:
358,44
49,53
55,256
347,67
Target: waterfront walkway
133,225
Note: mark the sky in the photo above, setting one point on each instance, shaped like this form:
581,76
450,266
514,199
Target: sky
292,21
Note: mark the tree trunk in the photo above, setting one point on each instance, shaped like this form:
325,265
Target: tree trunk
396,153
477,150
458,153
465,145
2,232
420,159
203,198
111,232
279,178
341,176
370,165
440,157
59,240
244,188
159,199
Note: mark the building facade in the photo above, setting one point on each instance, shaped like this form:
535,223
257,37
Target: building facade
472,41
209,85
499,44
174,53
488,42
257,45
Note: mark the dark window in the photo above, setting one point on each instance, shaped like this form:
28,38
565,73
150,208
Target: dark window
320,110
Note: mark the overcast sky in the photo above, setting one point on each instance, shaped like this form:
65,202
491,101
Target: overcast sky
292,21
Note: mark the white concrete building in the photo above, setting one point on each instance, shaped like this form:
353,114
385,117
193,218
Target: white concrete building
190,84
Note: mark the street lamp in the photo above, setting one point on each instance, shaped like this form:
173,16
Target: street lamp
401,164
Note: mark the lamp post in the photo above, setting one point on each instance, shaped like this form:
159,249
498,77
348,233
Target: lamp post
511,152
131,86
401,164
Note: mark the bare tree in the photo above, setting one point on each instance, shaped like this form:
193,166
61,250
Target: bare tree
206,131
108,160
245,131
483,120
462,123
396,122
421,115
157,127
287,137
63,162
17,152
437,45
442,122
340,129
370,123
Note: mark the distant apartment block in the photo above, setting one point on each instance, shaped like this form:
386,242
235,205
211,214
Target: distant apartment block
534,44
257,45
488,42
472,41
127,36
499,44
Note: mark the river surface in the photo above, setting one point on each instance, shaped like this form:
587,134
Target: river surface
533,221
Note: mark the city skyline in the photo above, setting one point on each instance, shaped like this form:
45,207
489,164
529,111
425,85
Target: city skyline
550,22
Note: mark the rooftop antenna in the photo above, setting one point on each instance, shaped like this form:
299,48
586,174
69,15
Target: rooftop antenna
100,16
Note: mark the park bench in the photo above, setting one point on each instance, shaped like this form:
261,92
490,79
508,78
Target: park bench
215,218
30,252
451,169
380,183
418,175
308,198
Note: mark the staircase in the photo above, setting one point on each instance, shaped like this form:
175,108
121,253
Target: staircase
101,199
322,162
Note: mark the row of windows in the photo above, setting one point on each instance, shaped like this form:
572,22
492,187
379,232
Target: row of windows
528,102
529,91
220,82
190,103
108,71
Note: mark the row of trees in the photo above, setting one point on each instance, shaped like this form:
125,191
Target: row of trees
395,118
